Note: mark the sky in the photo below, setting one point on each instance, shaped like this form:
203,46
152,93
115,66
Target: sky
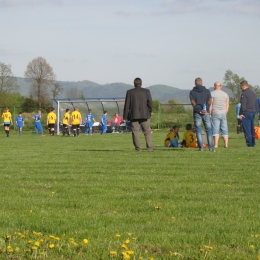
169,42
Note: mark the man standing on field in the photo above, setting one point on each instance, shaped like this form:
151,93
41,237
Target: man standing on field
138,109
200,99
218,111
249,106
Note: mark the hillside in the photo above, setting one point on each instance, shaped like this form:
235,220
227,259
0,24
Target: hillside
116,90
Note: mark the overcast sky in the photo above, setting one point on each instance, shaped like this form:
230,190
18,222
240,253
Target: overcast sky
167,42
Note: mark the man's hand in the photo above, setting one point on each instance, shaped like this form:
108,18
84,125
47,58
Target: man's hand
203,112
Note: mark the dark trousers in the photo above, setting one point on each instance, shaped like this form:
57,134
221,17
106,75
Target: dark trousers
145,123
248,127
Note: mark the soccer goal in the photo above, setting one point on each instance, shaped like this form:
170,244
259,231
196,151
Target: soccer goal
97,105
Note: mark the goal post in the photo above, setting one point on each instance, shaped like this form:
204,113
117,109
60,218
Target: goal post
97,105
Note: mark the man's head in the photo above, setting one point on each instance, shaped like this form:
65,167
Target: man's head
198,82
76,109
90,111
105,112
20,113
244,85
217,86
67,110
137,82
176,128
189,127
52,109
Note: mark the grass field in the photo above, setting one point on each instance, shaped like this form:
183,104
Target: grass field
94,197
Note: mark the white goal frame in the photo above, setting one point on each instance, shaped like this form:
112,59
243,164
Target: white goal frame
118,108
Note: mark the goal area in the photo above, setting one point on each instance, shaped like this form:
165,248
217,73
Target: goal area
97,105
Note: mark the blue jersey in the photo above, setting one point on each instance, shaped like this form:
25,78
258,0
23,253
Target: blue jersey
19,120
37,118
104,119
89,118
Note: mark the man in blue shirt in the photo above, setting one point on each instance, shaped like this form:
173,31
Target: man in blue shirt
20,123
38,124
89,122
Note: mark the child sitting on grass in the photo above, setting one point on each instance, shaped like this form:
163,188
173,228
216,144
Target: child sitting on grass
189,137
172,137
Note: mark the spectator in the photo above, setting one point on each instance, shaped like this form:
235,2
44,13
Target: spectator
116,123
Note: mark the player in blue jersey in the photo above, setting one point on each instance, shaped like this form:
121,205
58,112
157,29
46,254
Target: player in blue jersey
104,122
20,123
89,122
38,124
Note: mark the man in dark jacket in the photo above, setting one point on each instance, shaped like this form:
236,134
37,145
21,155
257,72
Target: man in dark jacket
138,109
201,100
249,106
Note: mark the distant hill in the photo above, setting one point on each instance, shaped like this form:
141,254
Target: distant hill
113,90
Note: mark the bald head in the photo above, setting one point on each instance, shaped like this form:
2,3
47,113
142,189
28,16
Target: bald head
217,85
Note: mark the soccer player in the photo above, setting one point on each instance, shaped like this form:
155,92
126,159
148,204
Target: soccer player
20,123
171,139
76,120
89,122
38,124
104,122
51,119
7,117
66,122
189,138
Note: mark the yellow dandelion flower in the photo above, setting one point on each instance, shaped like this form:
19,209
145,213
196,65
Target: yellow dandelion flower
125,255
141,258
201,250
173,218
123,246
9,249
41,240
30,211
56,238
71,239
53,192
17,249
51,246
114,211
151,258
75,244
127,241
118,235
85,241
8,237
157,207
29,241
52,237
129,234
34,248
113,253
37,243
252,246
130,252
209,247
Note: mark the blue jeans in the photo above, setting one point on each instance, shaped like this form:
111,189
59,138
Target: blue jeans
219,121
248,127
198,119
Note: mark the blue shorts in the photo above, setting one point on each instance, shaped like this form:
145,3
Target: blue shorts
89,124
219,121
19,125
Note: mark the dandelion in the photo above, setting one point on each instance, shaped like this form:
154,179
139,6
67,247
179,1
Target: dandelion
123,246
85,241
151,258
9,249
51,246
125,255
8,237
34,248
71,239
252,246
130,252
113,253
129,234
114,212
75,244
118,235
157,207
37,243
201,250
173,218
17,249
209,247
30,211
53,192
127,241
29,241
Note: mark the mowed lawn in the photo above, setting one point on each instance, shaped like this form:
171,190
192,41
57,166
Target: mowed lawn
94,197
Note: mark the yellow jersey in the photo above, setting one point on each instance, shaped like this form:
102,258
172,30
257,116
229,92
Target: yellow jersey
190,138
66,118
51,118
170,136
76,118
7,117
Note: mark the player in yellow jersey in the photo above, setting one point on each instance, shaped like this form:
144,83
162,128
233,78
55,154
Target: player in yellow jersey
189,138
171,139
51,119
7,118
76,121
65,122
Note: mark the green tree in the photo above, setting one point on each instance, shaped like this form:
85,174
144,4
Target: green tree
29,105
56,90
156,104
41,75
8,83
232,82
175,107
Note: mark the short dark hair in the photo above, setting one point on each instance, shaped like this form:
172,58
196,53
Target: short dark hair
19,113
52,108
137,82
189,127
105,111
244,83
175,126
198,81
67,109
89,110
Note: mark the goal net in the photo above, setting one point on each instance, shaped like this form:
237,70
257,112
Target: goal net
97,105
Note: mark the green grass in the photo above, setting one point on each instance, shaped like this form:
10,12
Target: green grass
170,204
